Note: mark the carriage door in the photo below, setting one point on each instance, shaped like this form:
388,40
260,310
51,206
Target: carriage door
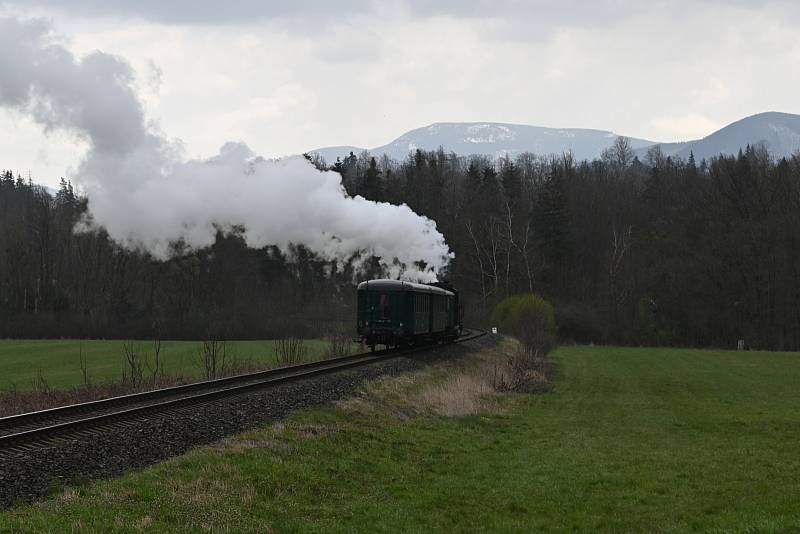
384,309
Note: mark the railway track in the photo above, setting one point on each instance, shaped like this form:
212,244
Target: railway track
19,433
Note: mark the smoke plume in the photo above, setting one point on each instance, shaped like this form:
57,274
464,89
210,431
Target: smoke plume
147,196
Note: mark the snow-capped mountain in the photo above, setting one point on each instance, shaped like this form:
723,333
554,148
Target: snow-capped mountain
779,131
493,139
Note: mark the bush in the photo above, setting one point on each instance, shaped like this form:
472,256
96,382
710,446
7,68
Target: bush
339,345
524,369
290,351
530,319
212,358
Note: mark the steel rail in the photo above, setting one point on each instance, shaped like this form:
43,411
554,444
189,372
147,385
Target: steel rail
72,410
187,395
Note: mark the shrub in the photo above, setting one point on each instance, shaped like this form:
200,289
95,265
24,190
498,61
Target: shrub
290,351
530,319
524,369
339,345
212,358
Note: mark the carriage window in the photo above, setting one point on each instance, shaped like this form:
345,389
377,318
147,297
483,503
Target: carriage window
384,306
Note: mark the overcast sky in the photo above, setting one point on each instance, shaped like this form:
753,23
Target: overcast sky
286,77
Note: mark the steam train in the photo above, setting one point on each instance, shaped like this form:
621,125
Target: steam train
395,313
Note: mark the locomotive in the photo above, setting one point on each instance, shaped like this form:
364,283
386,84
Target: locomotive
394,313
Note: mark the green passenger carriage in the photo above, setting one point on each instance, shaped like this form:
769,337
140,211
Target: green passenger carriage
395,313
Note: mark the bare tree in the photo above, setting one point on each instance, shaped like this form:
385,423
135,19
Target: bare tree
620,153
523,249
339,345
84,366
620,243
212,357
40,384
510,244
479,257
655,156
154,366
290,351
133,374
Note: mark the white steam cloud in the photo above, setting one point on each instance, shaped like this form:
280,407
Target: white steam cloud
147,196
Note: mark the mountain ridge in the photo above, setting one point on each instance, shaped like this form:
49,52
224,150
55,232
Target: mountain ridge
779,131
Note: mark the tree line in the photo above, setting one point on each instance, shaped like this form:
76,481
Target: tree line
55,282
650,250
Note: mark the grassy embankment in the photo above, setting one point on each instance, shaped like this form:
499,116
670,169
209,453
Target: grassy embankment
629,439
58,361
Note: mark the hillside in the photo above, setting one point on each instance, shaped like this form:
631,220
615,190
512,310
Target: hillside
492,139
780,132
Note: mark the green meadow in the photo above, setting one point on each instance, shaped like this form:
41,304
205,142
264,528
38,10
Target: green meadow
628,440
58,361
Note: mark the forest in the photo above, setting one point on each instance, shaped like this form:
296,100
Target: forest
634,249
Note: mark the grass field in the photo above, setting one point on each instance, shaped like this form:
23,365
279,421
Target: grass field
630,439
59,360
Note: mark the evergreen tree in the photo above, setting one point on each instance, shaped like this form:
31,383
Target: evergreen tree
372,181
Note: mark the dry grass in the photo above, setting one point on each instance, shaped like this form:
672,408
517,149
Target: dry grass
455,388
144,523
473,388
308,430
463,394
43,397
458,388
15,402
340,344
280,438
520,369
68,494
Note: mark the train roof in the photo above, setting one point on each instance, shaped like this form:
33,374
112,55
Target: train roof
399,285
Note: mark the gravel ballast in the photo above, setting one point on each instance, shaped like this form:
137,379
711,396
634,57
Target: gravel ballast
30,475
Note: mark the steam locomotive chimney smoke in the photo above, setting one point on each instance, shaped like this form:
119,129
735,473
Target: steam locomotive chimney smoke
147,196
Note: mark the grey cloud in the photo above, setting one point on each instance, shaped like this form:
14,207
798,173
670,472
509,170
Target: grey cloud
532,19
197,11
93,96
565,12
